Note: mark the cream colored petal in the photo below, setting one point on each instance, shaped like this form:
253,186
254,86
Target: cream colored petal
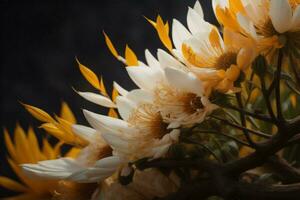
125,106
143,77
120,89
281,15
151,60
166,60
179,34
198,9
296,18
196,23
140,96
97,99
109,162
52,169
187,82
247,25
99,121
85,132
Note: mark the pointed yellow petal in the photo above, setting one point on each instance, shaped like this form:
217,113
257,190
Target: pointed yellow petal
89,75
215,39
112,113
114,94
9,145
66,113
34,145
130,57
102,88
153,23
162,30
12,185
38,113
22,146
163,33
73,153
48,150
110,46
53,130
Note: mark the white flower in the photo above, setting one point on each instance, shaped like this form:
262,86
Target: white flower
93,164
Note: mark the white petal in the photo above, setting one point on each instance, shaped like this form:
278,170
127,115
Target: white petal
184,81
109,162
85,132
151,60
125,107
52,169
119,144
296,18
247,25
97,99
101,121
143,77
196,23
281,15
166,60
120,89
140,96
179,34
198,9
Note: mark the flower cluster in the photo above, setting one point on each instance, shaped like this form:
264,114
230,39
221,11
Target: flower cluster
181,93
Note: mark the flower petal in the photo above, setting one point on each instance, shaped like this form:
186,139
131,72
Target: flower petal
179,34
97,99
184,81
281,15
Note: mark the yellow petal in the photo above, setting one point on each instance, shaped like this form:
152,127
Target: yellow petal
130,57
53,130
162,30
66,113
22,146
34,145
38,113
215,39
114,94
112,113
9,145
73,153
110,46
102,88
89,75
48,150
163,33
12,185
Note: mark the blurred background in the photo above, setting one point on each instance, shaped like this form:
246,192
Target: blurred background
40,40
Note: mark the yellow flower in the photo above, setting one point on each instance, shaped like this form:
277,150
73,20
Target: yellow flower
59,126
273,24
25,149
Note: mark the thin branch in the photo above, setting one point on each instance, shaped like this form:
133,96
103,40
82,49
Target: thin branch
258,133
254,115
227,136
266,94
277,84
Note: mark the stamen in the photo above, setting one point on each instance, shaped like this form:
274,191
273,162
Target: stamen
226,60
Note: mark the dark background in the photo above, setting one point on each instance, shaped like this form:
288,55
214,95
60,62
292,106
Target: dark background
39,41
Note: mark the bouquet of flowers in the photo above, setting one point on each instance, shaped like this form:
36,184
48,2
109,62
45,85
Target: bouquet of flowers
215,115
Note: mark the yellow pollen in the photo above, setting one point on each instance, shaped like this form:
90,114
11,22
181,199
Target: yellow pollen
149,120
266,28
226,60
